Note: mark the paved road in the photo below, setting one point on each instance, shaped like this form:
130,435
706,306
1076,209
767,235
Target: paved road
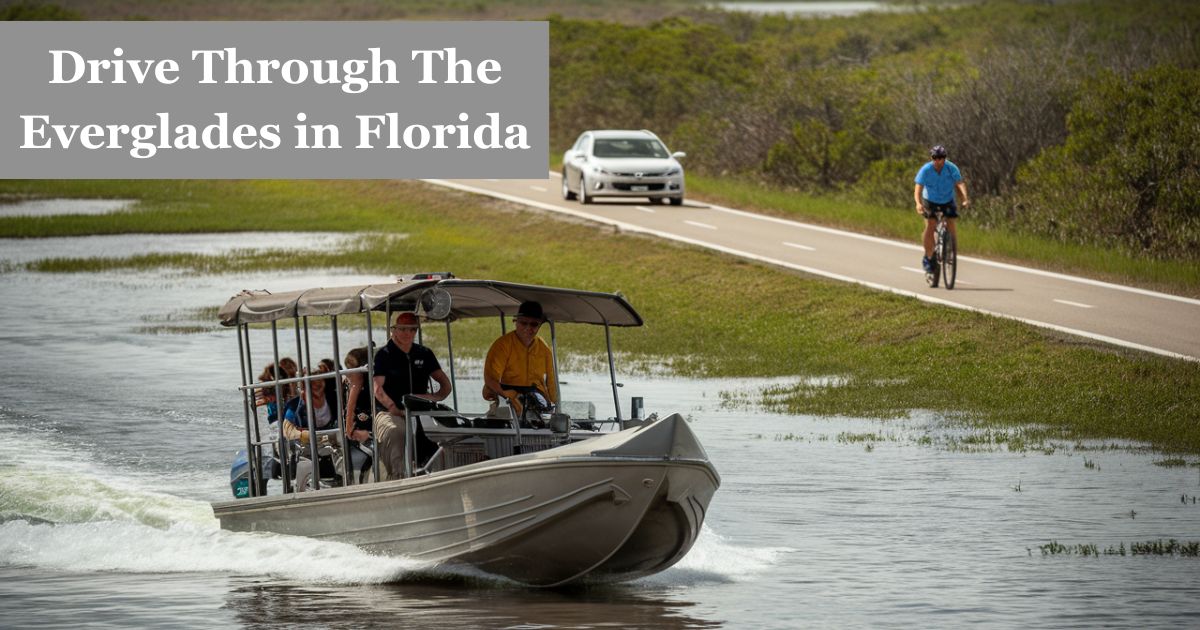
1126,316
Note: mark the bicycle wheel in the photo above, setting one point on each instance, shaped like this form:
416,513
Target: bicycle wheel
949,256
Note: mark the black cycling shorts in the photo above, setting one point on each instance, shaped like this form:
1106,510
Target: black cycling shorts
949,210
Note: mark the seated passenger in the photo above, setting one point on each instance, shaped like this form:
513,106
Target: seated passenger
288,369
520,361
358,398
266,395
404,367
324,416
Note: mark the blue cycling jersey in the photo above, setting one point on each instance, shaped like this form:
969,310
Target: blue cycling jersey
939,187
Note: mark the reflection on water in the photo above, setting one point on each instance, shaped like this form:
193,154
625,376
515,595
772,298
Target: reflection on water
55,207
450,604
112,442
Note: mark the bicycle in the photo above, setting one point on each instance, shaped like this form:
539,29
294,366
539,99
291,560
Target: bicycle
945,255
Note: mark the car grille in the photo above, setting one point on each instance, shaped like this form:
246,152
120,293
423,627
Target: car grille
629,187
642,173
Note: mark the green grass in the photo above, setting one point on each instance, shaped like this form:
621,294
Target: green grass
1180,277
707,314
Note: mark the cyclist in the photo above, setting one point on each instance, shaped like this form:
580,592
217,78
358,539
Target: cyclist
936,183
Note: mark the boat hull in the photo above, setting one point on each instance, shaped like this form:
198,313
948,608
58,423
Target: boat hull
607,509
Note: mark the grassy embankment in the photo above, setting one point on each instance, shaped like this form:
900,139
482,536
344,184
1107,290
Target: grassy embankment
707,314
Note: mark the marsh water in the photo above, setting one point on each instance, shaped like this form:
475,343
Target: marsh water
117,428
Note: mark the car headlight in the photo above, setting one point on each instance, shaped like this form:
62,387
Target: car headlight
673,172
603,171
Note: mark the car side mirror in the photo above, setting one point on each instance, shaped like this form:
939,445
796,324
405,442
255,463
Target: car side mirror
678,154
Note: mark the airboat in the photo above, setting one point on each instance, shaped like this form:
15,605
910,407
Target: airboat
543,498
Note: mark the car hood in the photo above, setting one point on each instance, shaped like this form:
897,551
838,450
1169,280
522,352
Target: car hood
636,165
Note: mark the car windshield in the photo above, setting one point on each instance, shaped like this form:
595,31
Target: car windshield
629,148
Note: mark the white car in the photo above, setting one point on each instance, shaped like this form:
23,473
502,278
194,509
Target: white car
618,163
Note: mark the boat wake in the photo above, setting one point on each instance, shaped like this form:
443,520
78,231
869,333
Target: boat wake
63,513
125,547
714,559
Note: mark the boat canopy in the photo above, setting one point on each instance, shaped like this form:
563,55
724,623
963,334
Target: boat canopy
467,298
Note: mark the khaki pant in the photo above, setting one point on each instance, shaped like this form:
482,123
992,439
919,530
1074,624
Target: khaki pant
389,440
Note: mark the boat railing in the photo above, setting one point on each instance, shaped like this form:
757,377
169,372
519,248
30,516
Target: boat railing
301,379
463,439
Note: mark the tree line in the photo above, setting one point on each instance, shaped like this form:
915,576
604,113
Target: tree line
1078,121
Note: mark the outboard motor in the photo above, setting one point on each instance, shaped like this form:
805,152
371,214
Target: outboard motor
239,477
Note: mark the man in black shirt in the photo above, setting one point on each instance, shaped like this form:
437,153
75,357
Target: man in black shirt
402,367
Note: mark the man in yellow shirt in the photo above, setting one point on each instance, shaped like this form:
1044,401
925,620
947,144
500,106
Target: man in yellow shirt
520,361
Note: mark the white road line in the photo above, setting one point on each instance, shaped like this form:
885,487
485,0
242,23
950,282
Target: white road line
701,225
538,188
645,209
982,261
799,246
1070,303
630,227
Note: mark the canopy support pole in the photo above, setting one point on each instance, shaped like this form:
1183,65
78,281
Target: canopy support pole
557,376
450,352
244,353
285,461
312,425
612,369
340,418
370,385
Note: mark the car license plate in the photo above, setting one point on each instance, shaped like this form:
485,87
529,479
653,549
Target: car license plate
639,188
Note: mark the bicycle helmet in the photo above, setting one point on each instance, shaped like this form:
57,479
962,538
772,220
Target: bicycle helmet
938,151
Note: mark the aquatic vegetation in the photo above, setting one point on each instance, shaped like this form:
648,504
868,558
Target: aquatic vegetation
1172,462
175,329
180,322
1171,547
847,437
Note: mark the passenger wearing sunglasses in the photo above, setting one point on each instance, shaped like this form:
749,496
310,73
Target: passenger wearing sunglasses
520,362
403,367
